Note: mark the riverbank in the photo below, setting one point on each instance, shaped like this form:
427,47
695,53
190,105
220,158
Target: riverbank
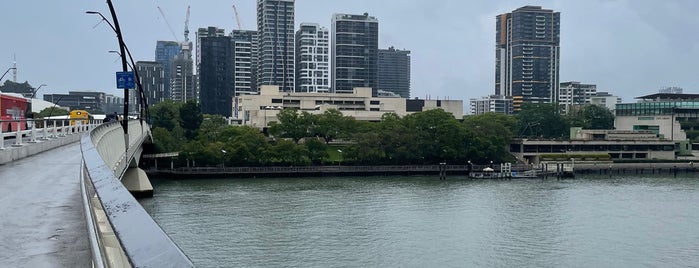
451,170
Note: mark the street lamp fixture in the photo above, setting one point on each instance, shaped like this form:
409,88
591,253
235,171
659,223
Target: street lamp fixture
223,159
103,18
3,75
36,90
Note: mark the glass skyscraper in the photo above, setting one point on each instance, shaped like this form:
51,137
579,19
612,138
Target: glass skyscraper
394,71
275,25
165,52
528,55
355,49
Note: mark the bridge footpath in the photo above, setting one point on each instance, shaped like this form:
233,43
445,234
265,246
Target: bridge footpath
41,212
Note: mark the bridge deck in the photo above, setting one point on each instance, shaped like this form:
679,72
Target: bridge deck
41,213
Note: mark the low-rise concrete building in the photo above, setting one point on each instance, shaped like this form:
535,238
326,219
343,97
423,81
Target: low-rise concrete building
618,144
259,110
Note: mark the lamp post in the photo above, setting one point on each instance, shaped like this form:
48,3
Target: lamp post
339,163
3,75
223,159
124,66
36,90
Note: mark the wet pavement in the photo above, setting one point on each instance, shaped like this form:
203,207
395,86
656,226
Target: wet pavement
41,216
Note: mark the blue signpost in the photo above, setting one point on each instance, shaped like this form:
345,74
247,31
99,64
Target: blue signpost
125,80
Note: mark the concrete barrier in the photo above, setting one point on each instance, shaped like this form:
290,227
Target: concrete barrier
122,233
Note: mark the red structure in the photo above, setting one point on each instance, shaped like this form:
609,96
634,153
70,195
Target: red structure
12,109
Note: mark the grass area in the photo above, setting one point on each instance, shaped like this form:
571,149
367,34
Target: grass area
333,154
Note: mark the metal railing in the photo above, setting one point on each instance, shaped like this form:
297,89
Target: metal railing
34,130
122,233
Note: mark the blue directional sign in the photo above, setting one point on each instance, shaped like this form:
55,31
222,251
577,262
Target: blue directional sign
125,80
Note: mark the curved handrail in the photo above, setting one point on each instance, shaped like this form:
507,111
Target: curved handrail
122,232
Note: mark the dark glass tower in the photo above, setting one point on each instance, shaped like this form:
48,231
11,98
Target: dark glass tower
394,71
355,49
215,71
165,52
528,55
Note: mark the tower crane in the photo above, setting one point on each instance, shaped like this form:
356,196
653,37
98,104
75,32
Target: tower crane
168,24
237,18
186,27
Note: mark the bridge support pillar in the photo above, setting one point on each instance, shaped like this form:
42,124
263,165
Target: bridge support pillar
136,181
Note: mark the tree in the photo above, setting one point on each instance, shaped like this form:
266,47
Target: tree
190,118
437,135
488,135
541,120
293,125
592,117
165,114
333,125
317,150
53,111
210,128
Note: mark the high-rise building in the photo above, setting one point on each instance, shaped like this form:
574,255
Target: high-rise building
165,52
182,79
394,71
575,93
606,100
491,104
528,55
355,49
312,59
152,78
244,74
275,25
215,70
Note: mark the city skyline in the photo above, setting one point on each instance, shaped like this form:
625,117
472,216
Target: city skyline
452,48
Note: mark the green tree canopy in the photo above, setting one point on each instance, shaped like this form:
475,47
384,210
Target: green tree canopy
53,111
293,125
592,117
542,120
165,114
190,118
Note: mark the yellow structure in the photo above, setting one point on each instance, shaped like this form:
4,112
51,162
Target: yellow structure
79,117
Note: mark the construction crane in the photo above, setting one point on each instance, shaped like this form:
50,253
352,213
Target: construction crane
237,18
186,27
168,24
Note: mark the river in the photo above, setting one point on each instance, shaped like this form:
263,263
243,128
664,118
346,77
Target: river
420,221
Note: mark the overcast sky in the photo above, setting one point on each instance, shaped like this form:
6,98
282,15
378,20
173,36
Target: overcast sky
626,47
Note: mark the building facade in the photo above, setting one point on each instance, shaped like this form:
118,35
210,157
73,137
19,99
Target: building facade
491,104
312,58
575,93
215,71
152,78
90,101
606,100
260,110
275,25
182,79
355,52
244,74
527,55
165,52
394,71
673,116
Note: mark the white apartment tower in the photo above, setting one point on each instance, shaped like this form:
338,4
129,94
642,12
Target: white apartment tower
275,26
312,57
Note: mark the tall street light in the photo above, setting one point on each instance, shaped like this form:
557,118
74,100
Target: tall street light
36,90
3,75
124,66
